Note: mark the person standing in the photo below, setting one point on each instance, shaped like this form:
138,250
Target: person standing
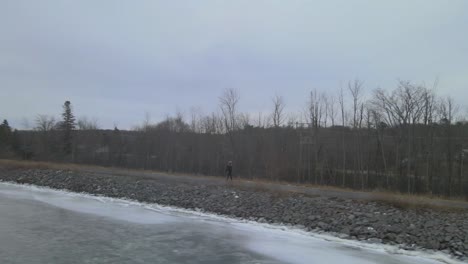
228,170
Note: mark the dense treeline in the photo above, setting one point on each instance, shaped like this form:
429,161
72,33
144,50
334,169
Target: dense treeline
407,140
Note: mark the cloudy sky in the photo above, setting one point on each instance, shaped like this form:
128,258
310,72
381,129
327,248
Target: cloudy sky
115,60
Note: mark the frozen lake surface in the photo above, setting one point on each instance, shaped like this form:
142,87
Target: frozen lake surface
40,225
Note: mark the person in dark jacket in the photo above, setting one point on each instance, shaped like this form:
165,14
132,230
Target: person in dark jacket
229,171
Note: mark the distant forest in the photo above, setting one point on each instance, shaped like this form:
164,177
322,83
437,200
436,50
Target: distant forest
407,140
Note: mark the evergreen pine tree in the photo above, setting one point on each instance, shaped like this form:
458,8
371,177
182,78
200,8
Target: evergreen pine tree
67,125
5,125
5,134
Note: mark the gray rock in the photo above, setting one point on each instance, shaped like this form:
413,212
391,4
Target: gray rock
322,225
374,240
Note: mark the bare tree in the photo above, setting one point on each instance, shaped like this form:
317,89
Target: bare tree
195,116
84,123
212,124
380,126
292,119
262,121
175,124
404,108
314,109
356,89
228,105
278,108
243,120
45,123
448,111
332,109
146,125
325,108
429,113
343,122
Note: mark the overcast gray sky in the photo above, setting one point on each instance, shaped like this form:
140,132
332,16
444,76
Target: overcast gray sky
115,60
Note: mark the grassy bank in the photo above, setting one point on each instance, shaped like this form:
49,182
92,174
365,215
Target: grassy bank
403,201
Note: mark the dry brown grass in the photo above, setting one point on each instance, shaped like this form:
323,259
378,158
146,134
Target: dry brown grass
415,202
403,201
399,200
17,164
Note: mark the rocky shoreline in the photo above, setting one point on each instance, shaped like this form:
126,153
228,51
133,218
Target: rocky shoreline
416,228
